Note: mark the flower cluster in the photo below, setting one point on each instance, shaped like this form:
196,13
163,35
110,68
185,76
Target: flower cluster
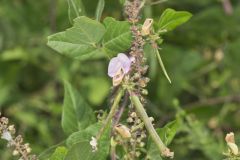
138,134
7,133
139,68
132,10
133,67
129,71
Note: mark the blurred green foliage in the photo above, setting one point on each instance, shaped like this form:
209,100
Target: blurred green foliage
202,58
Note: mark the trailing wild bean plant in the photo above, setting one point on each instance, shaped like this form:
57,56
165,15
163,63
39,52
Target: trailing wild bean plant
125,131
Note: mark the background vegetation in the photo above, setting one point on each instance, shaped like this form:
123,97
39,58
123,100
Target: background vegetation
202,58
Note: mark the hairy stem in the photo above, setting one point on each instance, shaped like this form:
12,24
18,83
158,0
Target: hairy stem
113,153
111,113
120,111
148,124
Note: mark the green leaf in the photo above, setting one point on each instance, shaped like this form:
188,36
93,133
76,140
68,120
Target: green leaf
59,154
15,54
162,65
170,19
83,135
99,11
75,9
49,151
80,41
83,151
96,93
153,154
167,134
77,114
79,144
118,36
122,2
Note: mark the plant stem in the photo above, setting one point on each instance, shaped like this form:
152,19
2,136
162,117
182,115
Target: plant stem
111,113
162,65
214,101
113,152
158,2
148,124
120,111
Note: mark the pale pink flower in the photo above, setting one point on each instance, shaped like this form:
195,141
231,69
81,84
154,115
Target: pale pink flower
118,67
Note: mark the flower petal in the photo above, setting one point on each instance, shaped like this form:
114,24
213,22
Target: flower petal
121,62
114,66
125,61
93,143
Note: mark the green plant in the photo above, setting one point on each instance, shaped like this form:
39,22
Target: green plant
89,39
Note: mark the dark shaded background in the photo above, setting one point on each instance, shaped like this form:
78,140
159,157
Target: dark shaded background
202,58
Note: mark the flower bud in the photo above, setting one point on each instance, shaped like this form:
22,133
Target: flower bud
28,150
15,153
144,92
11,129
142,144
133,115
139,121
129,120
138,154
219,55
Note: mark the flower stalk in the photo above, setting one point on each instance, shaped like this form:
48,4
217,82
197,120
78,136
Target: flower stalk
111,113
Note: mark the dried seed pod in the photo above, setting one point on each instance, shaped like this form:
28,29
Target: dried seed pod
123,131
233,148
146,28
230,138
